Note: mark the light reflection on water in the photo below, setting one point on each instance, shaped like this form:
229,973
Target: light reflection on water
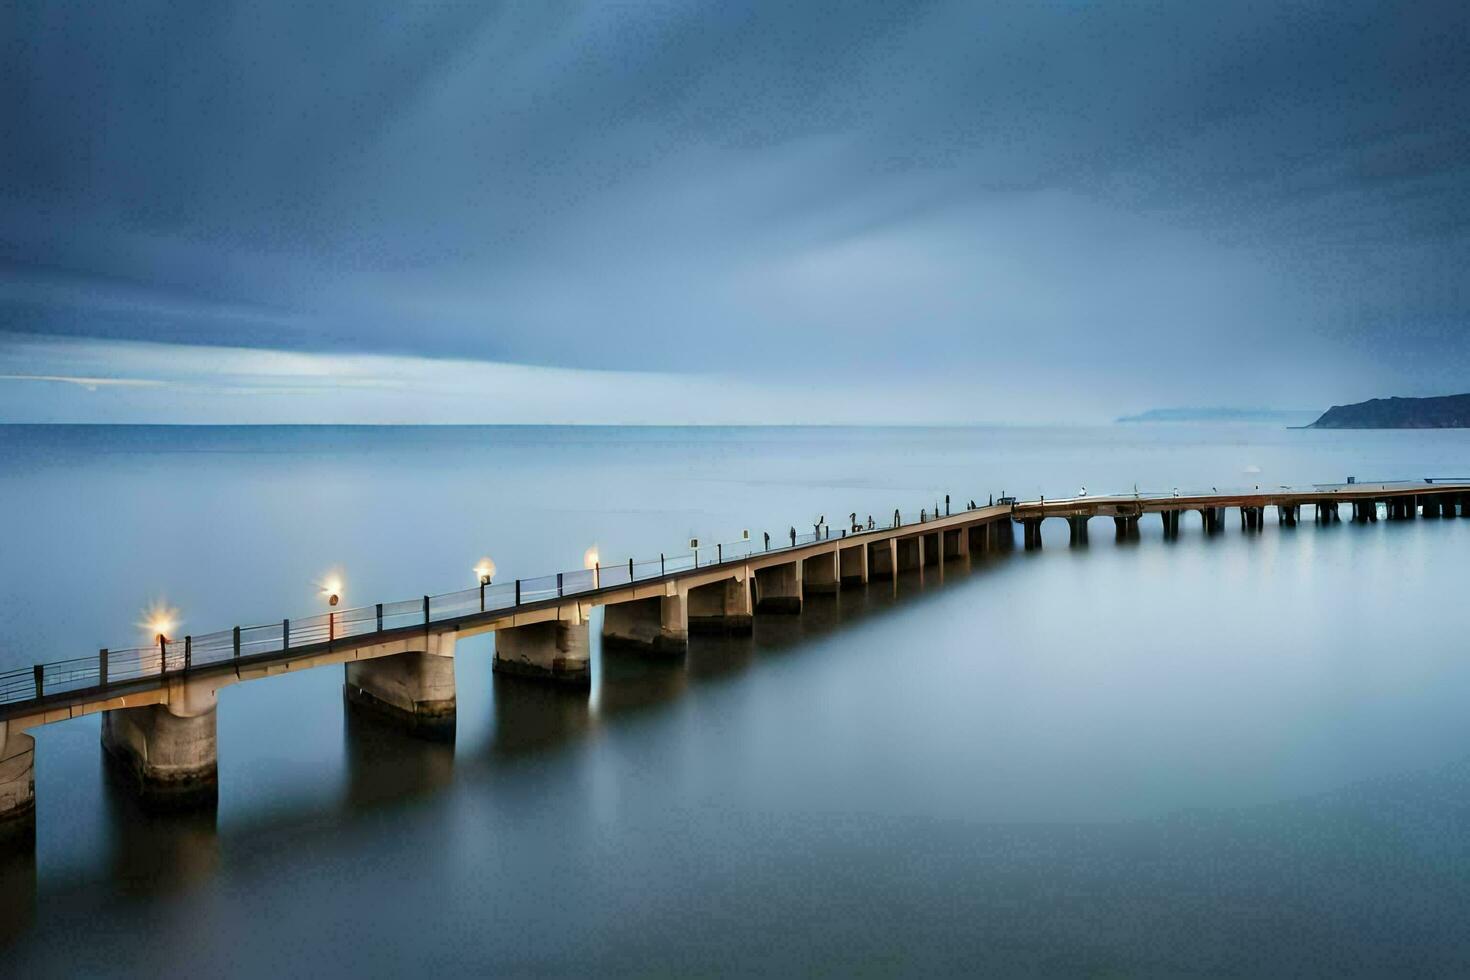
1244,753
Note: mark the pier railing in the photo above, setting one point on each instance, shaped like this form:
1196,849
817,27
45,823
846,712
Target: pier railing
170,656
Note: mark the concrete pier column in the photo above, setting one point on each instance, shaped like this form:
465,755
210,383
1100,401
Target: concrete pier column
1171,523
778,588
1431,505
957,543
168,751
1289,513
1032,529
414,690
17,786
720,607
909,554
661,625
883,559
852,565
1077,526
819,575
557,650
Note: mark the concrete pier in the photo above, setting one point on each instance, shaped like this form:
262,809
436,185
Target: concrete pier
557,650
660,625
17,785
1125,527
1032,529
414,690
1077,530
1288,514
722,607
169,752
819,574
852,565
1171,523
778,588
1212,519
883,559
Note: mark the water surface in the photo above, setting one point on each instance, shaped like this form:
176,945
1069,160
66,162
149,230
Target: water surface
1242,754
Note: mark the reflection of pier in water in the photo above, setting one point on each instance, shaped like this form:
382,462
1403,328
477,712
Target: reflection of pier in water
159,728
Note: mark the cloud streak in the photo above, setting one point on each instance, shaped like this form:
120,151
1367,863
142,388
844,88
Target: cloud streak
1135,195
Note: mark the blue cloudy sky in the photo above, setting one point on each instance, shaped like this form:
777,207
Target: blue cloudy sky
725,212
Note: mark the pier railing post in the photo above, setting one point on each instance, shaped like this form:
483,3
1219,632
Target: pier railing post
285,634
558,584
630,570
162,653
102,667
719,553
236,640
661,564
380,617
40,673
426,610
597,575
188,652
482,595
518,592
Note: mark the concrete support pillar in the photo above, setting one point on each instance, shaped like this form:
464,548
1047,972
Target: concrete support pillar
557,650
1125,526
852,565
17,786
819,574
661,625
883,559
909,554
168,751
778,588
1291,513
1077,528
957,543
414,690
980,538
720,607
1031,528
1431,505
1171,523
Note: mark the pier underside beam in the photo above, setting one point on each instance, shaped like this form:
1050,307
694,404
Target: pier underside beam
557,650
413,690
169,752
910,552
778,588
17,787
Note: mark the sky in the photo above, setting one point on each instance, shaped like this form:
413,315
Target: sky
726,212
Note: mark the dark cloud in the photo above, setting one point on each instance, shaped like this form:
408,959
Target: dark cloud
703,187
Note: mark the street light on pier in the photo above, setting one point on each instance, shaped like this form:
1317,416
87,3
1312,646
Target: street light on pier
484,572
331,591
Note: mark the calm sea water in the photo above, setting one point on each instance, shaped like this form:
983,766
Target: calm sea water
1234,755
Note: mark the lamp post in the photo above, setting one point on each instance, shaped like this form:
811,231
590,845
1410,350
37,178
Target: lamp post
484,572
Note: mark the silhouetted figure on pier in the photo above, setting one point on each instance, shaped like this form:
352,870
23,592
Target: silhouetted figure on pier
896,519
768,539
793,537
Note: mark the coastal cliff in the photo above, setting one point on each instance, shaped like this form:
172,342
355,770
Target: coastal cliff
1444,412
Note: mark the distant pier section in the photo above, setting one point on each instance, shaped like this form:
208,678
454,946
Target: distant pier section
160,701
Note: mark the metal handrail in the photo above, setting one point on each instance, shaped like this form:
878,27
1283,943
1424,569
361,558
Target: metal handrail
112,667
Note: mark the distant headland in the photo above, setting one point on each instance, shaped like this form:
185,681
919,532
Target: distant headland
1443,412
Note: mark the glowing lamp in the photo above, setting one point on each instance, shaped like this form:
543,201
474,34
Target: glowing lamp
485,571
590,558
